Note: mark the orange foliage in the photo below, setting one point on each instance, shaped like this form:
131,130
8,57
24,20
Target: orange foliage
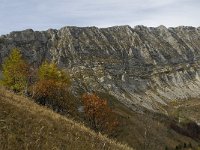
52,88
99,114
51,93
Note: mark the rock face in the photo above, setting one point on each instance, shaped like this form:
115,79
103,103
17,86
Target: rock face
140,66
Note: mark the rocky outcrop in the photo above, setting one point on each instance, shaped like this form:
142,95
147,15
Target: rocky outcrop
141,66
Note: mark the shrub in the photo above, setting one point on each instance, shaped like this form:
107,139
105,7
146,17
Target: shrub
99,115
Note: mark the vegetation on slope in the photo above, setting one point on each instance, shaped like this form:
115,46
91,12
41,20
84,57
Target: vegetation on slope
15,72
99,115
26,125
49,85
150,130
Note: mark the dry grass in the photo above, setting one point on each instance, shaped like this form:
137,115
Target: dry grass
134,125
25,125
189,109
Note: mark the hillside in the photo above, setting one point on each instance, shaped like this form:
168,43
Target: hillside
149,75
26,125
154,131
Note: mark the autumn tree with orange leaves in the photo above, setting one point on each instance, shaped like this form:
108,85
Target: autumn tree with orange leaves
98,113
51,88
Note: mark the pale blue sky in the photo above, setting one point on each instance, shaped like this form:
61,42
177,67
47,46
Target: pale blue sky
44,14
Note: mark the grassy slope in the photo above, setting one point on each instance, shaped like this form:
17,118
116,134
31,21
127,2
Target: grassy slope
187,108
25,125
158,133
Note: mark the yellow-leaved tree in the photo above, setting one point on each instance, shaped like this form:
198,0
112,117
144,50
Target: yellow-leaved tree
52,86
15,72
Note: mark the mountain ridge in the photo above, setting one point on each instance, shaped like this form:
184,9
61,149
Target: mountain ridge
143,67
114,26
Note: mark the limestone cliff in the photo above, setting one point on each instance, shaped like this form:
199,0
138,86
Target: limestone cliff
140,66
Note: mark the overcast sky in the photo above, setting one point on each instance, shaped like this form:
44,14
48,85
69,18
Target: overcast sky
45,14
